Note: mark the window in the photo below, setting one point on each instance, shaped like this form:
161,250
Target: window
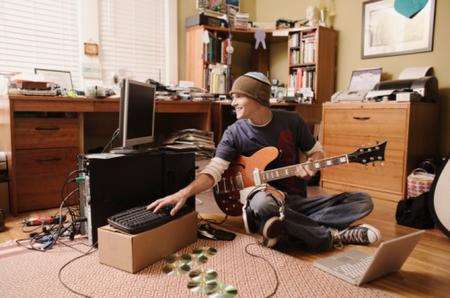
40,34
134,39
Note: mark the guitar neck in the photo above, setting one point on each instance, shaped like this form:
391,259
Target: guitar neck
290,171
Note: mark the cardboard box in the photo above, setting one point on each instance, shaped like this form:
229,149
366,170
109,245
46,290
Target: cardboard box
135,252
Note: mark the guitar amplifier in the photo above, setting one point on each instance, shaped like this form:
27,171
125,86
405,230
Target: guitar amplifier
114,183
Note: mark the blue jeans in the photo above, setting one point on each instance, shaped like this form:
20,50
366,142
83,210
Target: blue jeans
308,221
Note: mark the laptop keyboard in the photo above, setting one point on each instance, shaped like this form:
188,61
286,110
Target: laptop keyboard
357,269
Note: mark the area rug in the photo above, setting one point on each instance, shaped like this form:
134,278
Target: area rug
25,273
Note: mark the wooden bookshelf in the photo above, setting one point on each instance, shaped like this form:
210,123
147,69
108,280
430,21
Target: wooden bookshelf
312,52
244,58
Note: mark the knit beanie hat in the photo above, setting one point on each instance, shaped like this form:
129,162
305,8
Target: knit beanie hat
254,85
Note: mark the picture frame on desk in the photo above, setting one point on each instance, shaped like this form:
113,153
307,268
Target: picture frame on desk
387,32
61,77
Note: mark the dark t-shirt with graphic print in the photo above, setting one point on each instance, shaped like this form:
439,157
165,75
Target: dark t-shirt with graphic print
287,131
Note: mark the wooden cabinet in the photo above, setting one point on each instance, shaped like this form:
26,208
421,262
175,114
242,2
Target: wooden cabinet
409,128
46,151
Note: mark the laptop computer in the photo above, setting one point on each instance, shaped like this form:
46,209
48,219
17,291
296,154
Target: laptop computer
357,267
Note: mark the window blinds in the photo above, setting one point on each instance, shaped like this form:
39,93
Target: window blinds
40,34
133,39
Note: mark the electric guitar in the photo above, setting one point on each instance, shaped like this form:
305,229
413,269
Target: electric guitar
249,171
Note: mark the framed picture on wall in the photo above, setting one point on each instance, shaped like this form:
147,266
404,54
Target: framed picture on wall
391,28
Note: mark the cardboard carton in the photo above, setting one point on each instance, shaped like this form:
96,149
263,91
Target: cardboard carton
135,252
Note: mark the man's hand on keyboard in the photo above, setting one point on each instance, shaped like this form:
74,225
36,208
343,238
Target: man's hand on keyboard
175,199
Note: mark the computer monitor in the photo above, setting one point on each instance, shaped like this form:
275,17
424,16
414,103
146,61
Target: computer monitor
137,114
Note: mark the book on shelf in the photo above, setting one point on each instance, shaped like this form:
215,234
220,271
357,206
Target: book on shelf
241,20
303,77
303,48
294,40
215,49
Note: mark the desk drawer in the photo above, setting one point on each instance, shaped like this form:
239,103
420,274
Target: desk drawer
40,175
33,133
45,161
360,122
39,192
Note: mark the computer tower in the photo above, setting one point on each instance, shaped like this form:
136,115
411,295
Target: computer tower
114,183
179,171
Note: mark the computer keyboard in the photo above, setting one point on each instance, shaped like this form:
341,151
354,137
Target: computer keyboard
139,219
355,270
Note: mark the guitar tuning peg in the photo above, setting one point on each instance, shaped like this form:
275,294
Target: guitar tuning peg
373,164
377,142
382,164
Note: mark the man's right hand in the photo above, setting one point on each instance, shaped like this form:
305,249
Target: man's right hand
176,199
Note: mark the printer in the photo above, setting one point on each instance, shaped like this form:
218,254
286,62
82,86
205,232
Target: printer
418,89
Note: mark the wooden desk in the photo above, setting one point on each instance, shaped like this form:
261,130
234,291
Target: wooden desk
43,135
222,115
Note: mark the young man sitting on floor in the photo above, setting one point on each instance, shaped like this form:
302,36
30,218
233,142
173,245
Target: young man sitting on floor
280,212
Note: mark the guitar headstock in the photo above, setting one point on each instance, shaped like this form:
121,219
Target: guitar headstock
365,155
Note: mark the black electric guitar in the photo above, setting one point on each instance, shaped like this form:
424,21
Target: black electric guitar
249,171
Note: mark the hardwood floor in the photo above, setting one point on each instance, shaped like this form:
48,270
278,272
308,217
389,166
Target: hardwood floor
425,273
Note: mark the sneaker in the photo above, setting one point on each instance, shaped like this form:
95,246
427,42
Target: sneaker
362,234
271,231
249,221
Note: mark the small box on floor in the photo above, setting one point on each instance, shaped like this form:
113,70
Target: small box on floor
135,252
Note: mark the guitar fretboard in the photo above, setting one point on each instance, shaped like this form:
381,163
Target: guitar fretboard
289,171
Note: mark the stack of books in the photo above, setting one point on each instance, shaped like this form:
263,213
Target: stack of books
241,20
232,11
202,142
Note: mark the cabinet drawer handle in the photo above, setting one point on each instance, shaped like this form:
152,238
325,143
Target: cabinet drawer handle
51,127
361,118
48,159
